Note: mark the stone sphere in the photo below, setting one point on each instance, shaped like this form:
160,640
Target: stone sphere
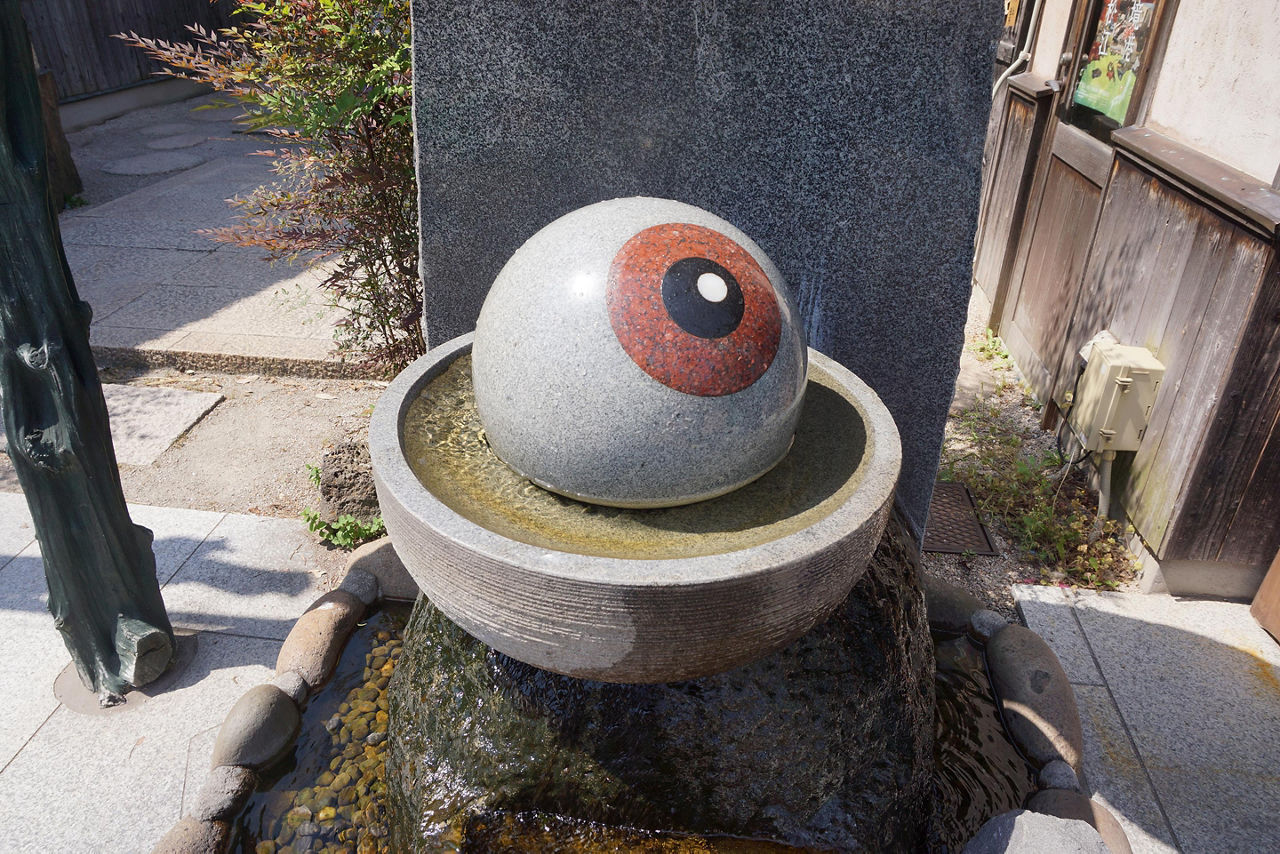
639,353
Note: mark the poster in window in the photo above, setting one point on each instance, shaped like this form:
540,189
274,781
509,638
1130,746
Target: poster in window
1115,58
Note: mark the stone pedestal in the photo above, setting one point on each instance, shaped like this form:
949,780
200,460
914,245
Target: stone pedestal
827,743
844,138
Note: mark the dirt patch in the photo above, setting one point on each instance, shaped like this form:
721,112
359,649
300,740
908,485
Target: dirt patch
250,453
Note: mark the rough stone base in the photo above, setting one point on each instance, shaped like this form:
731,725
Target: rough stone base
827,743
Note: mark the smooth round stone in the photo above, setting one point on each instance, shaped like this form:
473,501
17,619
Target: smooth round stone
1073,805
985,624
639,353
258,730
154,163
1035,698
182,140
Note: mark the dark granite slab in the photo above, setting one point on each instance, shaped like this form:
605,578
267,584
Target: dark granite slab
845,138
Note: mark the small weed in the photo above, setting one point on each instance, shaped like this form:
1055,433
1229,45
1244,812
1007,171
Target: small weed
989,348
346,533
75,202
313,474
1048,516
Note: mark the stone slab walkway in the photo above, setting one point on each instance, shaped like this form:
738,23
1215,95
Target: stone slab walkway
1180,703
117,780
159,288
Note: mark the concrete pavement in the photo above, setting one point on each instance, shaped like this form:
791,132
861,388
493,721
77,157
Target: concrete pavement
1180,703
77,779
162,292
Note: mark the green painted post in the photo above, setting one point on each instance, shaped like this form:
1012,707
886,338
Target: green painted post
101,572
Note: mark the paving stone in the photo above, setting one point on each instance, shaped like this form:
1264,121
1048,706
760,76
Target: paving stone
146,420
1117,778
153,164
1024,832
114,781
315,642
181,140
379,558
1035,698
177,532
192,836
167,129
1198,685
1048,612
258,730
1073,805
252,576
225,790
109,277
949,607
985,624
246,270
16,530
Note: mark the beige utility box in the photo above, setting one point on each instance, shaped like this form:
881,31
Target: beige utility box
1114,397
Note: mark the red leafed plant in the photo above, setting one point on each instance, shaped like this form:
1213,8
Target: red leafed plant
330,79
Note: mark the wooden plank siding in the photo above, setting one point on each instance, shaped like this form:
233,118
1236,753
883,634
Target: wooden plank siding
73,38
1173,275
1007,185
1237,481
1036,322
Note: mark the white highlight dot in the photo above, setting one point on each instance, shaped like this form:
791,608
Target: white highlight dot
712,287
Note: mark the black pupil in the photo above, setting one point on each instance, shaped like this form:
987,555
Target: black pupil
693,312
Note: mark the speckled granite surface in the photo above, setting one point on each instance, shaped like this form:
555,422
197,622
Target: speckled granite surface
846,139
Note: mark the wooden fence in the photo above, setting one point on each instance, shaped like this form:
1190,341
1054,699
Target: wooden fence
72,38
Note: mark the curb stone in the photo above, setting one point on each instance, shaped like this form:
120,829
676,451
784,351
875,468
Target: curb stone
265,719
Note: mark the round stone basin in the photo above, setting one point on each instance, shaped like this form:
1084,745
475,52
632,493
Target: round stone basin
630,595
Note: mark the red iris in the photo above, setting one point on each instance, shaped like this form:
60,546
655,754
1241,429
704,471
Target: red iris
676,350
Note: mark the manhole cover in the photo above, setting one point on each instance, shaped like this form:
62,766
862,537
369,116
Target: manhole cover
953,526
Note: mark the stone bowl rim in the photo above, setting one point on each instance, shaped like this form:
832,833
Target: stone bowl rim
880,466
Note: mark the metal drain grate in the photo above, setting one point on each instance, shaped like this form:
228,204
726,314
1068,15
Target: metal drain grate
953,525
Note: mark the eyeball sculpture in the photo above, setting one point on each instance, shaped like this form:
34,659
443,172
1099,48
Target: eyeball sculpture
639,353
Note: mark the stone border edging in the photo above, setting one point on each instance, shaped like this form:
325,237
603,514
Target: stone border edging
263,724
1037,706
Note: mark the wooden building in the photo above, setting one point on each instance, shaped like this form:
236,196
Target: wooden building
1132,184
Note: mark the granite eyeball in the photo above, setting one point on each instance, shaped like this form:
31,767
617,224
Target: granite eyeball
639,352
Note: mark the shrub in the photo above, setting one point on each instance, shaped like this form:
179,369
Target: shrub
331,80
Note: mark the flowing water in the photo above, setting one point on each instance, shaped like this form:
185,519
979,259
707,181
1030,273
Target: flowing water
330,794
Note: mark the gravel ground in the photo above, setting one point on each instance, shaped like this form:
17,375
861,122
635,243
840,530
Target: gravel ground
250,453
1001,388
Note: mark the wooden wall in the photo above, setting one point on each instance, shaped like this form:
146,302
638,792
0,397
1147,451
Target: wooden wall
1198,289
72,38
1013,138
